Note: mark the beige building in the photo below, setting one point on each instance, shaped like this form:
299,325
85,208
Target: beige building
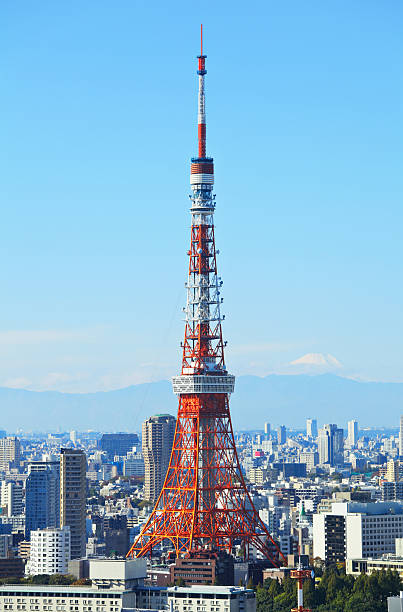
391,472
257,475
158,436
10,452
73,494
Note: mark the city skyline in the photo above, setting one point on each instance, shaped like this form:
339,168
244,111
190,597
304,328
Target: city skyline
88,226
291,487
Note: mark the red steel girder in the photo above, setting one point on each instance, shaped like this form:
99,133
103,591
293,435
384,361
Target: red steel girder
204,502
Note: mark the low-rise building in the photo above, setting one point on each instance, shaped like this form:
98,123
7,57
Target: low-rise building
356,567
203,568
211,598
117,586
114,584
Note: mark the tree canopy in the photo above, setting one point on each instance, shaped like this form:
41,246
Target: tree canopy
334,591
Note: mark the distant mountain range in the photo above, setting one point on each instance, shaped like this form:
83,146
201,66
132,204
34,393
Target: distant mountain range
278,399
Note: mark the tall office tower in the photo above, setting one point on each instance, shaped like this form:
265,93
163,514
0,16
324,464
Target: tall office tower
49,551
11,498
158,435
42,496
204,505
401,436
73,490
338,445
10,452
282,434
331,445
118,444
311,428
352,433
267,429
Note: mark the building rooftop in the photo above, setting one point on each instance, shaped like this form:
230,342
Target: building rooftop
204,589
46,589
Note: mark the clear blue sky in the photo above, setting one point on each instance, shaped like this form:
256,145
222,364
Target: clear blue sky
98,109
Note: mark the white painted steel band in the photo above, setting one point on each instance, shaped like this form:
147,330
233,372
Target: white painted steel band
203,384
199,179
300,598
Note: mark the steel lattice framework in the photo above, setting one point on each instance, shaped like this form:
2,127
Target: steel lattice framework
204,503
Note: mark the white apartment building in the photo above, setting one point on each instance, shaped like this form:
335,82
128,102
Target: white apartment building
50,551
211,599
372,535
10,452
11,498
357,530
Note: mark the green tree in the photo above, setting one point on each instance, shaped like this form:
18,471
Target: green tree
362,602
264,601
274,586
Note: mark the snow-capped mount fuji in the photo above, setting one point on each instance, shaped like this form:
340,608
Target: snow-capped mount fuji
315,363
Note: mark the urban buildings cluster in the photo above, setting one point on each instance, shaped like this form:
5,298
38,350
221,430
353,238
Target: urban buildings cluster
327,494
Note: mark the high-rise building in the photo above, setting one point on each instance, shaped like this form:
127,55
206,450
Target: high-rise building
312,428
42,496
10,452
11,498
118,444
158,435
331,445
73,464
401,436
49,551
338,445
325,448
267,429
282,434
352,433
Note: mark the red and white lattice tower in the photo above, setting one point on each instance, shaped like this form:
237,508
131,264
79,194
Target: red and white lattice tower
204,503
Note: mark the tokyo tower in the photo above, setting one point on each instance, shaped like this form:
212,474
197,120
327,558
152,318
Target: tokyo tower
204,504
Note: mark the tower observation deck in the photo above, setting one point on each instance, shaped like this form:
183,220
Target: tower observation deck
204,503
